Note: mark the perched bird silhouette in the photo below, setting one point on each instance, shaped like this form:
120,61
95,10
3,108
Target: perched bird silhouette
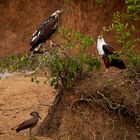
106,51
30,123
45,31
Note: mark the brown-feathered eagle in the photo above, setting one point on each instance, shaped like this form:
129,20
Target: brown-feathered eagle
46,29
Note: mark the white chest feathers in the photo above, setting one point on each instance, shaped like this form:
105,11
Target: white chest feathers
100,43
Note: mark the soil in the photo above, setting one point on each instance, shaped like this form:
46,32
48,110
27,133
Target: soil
102,106
18,98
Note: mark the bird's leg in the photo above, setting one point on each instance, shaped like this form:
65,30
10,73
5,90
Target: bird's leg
46,51
40,47
30,133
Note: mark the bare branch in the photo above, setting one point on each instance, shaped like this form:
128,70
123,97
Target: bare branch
110,103
32,72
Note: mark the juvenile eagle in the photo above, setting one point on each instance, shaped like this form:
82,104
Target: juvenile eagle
45,31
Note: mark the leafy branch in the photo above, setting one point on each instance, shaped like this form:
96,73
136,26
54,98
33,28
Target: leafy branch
126,35
69,61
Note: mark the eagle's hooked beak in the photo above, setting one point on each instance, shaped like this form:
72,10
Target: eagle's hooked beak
100,37
61,10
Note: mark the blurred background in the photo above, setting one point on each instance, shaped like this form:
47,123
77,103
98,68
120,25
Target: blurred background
19,19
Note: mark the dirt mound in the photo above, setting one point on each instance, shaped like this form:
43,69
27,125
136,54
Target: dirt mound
103,106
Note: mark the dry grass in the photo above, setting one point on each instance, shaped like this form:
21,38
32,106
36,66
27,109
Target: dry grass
102,107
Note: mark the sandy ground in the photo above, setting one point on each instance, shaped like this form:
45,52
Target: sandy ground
18,97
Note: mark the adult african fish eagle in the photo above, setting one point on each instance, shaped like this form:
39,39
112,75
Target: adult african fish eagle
45,31
109,57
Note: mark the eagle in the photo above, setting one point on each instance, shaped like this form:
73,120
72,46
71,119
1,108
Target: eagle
109,57
45,30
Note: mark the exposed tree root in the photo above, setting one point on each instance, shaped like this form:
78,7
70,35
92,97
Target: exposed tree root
48,123
107,104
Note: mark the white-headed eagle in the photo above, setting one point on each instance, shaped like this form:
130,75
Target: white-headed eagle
109,57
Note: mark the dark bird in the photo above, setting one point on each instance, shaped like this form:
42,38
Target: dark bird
30,123
109,57
45,31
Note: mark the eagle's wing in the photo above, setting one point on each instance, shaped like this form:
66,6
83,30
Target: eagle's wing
45,30
48,27
108,49
35,37
45,22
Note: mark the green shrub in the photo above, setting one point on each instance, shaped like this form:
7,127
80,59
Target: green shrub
18,63
124,33
65,67
133,6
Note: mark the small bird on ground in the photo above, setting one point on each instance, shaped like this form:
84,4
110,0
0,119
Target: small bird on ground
44,31
30,123
109,57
